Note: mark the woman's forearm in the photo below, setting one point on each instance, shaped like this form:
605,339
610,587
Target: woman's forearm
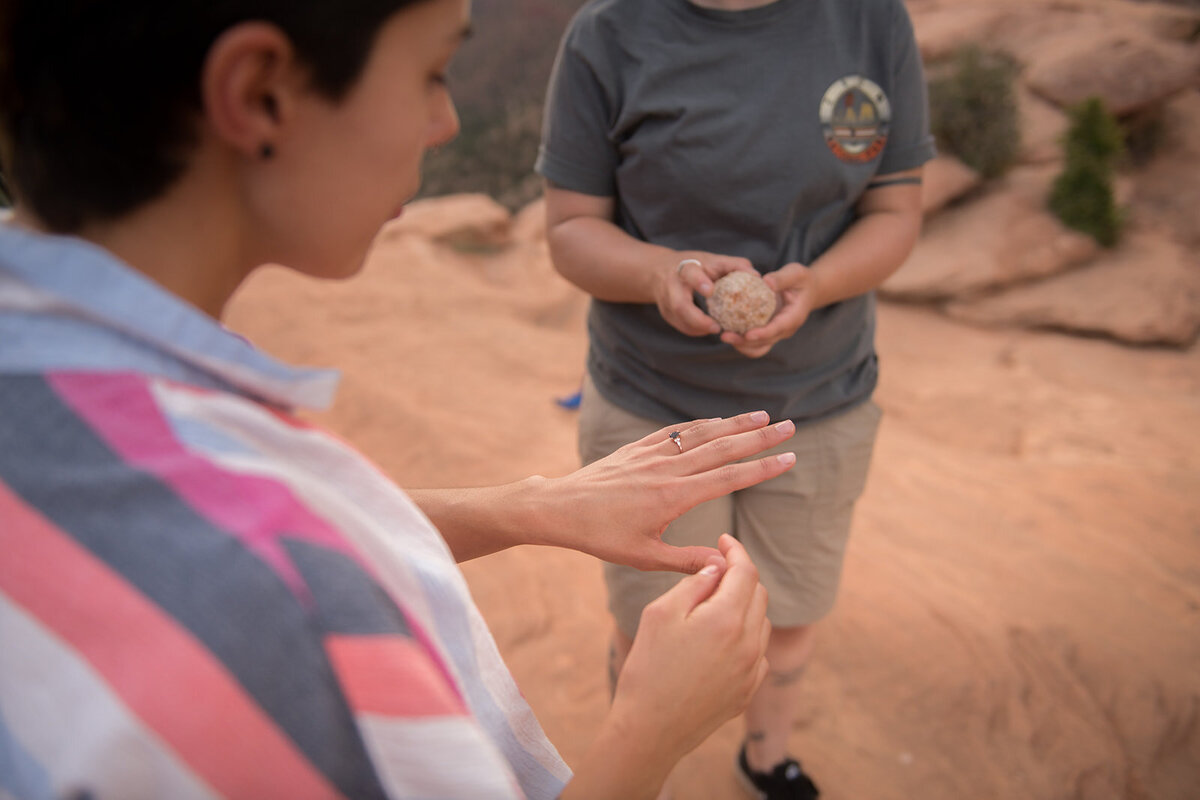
870,250
607,263
622,764
480,521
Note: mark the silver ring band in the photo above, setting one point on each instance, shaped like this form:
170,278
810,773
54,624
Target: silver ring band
679,268
674,437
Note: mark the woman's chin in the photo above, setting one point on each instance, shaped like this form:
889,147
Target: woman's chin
328,269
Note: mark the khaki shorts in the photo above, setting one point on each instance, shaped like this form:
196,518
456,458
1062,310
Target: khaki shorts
794,526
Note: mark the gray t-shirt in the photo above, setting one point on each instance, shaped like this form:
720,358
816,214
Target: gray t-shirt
750,133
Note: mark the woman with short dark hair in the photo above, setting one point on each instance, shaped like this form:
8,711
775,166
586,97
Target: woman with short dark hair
202,595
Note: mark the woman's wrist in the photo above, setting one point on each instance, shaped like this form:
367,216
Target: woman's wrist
818,288
626,761
534,512
664,268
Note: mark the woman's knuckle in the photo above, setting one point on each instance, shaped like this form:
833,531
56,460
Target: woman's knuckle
722,446
729,474
654,613
767,465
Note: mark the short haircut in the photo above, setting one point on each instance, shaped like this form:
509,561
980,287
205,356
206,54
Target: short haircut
99,98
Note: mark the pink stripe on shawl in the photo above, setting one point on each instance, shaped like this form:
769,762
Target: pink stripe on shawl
256,510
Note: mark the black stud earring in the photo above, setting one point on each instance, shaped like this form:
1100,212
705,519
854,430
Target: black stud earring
266,151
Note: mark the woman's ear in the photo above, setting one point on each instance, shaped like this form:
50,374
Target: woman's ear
247,87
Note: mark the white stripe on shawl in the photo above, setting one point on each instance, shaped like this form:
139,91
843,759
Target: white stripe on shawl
68,719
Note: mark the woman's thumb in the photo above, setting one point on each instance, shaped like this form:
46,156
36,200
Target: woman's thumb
686,559
695,589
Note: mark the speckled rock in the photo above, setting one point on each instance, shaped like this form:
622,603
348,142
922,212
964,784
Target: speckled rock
741,301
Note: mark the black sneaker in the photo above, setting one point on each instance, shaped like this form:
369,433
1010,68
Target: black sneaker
786,782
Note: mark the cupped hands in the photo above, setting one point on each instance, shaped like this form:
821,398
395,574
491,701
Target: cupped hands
796,286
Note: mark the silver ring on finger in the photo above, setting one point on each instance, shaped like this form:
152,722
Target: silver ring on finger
674,437
679,268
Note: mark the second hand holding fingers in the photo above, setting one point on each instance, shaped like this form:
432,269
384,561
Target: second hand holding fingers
736,591
698,656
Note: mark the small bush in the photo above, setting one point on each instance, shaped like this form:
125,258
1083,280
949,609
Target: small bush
1093,133
973,110
1082,195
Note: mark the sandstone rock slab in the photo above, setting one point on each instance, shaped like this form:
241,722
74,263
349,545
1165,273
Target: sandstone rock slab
1043,126
1147,291
942,30
1005,236
1166,191
1128,71
1032,31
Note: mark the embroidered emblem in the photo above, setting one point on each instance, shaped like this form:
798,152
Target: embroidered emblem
855,115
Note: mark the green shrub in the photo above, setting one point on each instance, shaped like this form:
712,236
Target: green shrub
973,110
1093,133
1082,195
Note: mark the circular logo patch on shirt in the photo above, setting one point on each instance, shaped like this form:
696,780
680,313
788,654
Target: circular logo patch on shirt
855,114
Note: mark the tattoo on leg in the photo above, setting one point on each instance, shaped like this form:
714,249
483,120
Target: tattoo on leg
786,678
756,736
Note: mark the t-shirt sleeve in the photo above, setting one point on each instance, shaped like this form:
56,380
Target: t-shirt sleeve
910,143
577,152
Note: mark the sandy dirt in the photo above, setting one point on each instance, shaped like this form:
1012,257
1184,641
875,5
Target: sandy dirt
1020,612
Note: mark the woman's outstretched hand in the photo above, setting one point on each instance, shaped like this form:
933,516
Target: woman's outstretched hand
617,508
697,659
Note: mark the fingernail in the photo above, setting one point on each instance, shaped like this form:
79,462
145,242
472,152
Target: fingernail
759,416
787,459
787,426
710,570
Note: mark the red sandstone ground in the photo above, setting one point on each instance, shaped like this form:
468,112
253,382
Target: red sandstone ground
1020,614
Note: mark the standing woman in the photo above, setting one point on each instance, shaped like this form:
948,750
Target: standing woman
200,594
687,139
